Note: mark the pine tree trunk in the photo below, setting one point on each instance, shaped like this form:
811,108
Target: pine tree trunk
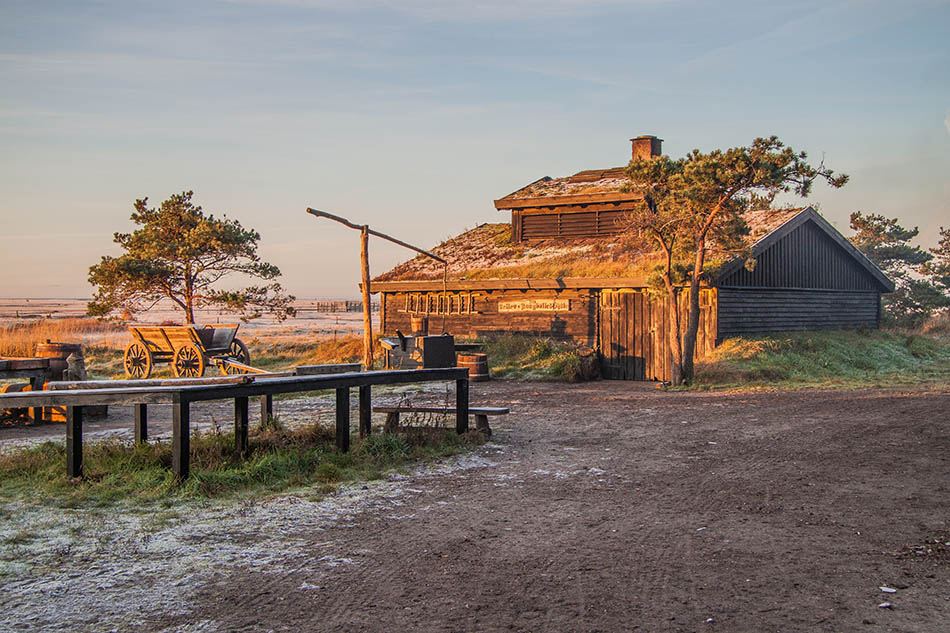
676,340
692,331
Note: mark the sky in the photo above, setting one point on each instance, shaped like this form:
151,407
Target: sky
414,116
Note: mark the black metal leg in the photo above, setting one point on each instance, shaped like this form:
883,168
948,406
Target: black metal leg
240,424
461,406
366,410
141,422
74,441
181,438
343,419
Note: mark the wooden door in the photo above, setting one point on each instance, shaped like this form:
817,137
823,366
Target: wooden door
625,334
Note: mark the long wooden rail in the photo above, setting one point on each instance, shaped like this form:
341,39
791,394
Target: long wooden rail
181,397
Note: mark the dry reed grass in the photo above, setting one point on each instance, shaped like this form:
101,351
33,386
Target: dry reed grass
20,339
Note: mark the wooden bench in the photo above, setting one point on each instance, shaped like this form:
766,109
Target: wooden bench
481,415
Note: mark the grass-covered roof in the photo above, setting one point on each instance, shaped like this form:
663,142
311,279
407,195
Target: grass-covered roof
486,252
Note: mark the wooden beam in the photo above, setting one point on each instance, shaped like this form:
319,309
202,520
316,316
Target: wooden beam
367,306
343,419
181,437
554,201
359,227
461,406
74,441
434,285
196,393
267,409
141,422
366,410
60,385
319,370
240,425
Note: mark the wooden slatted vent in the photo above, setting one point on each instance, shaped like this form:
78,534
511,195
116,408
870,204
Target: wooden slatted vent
599,223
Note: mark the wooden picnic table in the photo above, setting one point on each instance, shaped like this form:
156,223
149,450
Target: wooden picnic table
181,397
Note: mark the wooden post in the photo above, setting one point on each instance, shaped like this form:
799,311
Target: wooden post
141,422
365,232
461,406
73,441
267,409
240,424
181,437
367,306
366,411
40,414
343,419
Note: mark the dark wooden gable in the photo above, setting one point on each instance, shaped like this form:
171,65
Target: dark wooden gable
806,252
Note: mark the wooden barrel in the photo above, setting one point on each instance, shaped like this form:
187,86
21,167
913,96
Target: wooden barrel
419,326
477,365
57,353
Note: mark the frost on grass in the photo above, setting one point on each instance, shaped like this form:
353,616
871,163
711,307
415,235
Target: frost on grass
88,569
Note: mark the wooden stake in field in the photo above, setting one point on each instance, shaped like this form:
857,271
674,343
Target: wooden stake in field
365,232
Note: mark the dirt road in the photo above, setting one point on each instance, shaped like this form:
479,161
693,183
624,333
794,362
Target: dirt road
614,507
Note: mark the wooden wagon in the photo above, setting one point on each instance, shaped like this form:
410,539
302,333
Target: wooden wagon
188,348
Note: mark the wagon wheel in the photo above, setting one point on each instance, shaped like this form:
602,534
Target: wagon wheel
189,362
137,360
237,351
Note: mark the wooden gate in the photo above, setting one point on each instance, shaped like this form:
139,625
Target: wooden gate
634,332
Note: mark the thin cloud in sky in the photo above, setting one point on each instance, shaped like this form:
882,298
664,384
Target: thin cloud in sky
814,30
439,10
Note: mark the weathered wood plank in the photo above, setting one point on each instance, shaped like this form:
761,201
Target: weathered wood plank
62,385
240,424
461,406
261,386
74,417
181,438
140,412
366,410
343,419
445,410
319,370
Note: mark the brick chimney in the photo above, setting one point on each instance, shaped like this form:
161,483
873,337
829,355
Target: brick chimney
646,146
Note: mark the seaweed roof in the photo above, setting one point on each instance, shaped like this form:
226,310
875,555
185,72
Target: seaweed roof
486,252
583,182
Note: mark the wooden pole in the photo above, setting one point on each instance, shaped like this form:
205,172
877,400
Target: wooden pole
365,232
367,306
345,222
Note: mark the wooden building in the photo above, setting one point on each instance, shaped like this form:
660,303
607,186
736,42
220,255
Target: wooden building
562,268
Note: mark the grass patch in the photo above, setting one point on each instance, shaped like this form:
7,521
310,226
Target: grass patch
278,460
852,358
514,357
20,339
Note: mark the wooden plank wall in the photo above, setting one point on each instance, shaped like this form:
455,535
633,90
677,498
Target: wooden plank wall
805,258
749,311
579,323
634,332
630,327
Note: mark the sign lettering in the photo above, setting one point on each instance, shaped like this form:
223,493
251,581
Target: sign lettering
535,305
